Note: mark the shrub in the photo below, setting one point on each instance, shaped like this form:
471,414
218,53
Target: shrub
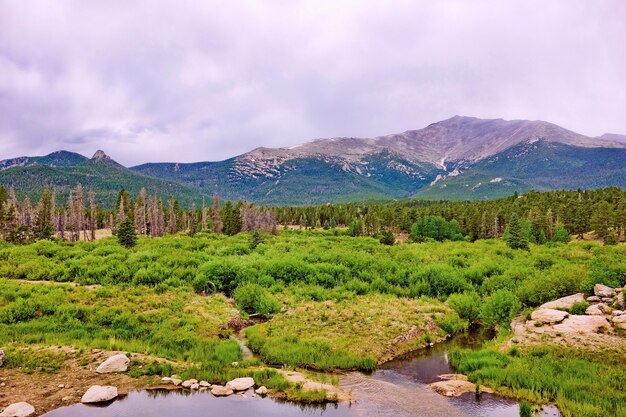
252,298
126,234
387,238
500,308
579,308
467,305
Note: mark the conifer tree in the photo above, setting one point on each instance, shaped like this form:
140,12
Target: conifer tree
516,238
126,234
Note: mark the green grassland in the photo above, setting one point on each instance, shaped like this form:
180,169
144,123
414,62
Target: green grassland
335,301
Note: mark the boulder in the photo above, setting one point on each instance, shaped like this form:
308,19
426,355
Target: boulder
603,291
583,324
620,299
1,357
116,363
99,394
617,312
608,300
547,315
594,310
194,386
176,381
240,384
220,391
204,384
620,321
564,303
261,390
187,384
594,299
22,409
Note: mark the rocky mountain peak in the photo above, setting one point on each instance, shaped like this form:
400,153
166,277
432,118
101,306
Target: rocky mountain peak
100,156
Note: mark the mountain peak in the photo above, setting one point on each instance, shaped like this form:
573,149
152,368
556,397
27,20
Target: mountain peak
100,156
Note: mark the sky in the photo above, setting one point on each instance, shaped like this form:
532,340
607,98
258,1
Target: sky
185,81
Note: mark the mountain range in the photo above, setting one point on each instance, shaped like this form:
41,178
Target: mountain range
457,158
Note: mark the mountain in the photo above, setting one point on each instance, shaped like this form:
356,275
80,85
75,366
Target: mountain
64,170
413,163
457,158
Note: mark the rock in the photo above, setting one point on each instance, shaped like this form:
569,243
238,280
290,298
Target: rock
547,315
603,291
116,363
166,379
593,299
564,303
261,390
99,394
194,381
61,386
456,387
234,364
22,409
594,310
1,357
67,398
194,386
240,384
617,312
583,324
620,321
187,384
176,381
620,299
607,300
204,384
220,391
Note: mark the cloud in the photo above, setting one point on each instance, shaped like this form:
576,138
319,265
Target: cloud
206,80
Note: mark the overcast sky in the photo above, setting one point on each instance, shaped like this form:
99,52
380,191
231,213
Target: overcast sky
200,80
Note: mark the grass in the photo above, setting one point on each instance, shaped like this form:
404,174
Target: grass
581,383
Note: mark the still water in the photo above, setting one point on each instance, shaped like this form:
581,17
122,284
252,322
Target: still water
397,389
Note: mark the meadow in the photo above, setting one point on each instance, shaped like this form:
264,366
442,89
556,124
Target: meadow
334,301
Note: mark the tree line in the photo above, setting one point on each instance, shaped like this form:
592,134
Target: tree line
80,217
542,214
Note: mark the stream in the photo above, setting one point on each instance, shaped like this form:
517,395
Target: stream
397,389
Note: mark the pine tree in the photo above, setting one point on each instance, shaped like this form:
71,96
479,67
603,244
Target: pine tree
44,215
516,238
126,234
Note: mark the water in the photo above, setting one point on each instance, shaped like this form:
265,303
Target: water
397,389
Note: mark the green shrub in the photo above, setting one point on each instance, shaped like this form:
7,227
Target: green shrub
579,308
500,308
467,305
252,298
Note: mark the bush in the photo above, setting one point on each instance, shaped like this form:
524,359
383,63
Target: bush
579,308
126,234
387,238
252,298
500,308
467,305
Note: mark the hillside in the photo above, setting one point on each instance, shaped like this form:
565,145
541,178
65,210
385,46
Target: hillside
457,158
64,170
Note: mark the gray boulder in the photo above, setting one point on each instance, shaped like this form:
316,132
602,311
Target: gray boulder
261,390
220,391
116,363
546,315
620,321
564,303
22,409
1,357
99,394
594,310
240,384
594,299
603,291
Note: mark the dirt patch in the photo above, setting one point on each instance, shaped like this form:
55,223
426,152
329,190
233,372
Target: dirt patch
47,391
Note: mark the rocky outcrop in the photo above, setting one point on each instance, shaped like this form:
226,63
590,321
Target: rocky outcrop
240,384
594,310
583,324
22,409
116,363
547,315
1,357
620,321
564,303
99,394
603,291
220,391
